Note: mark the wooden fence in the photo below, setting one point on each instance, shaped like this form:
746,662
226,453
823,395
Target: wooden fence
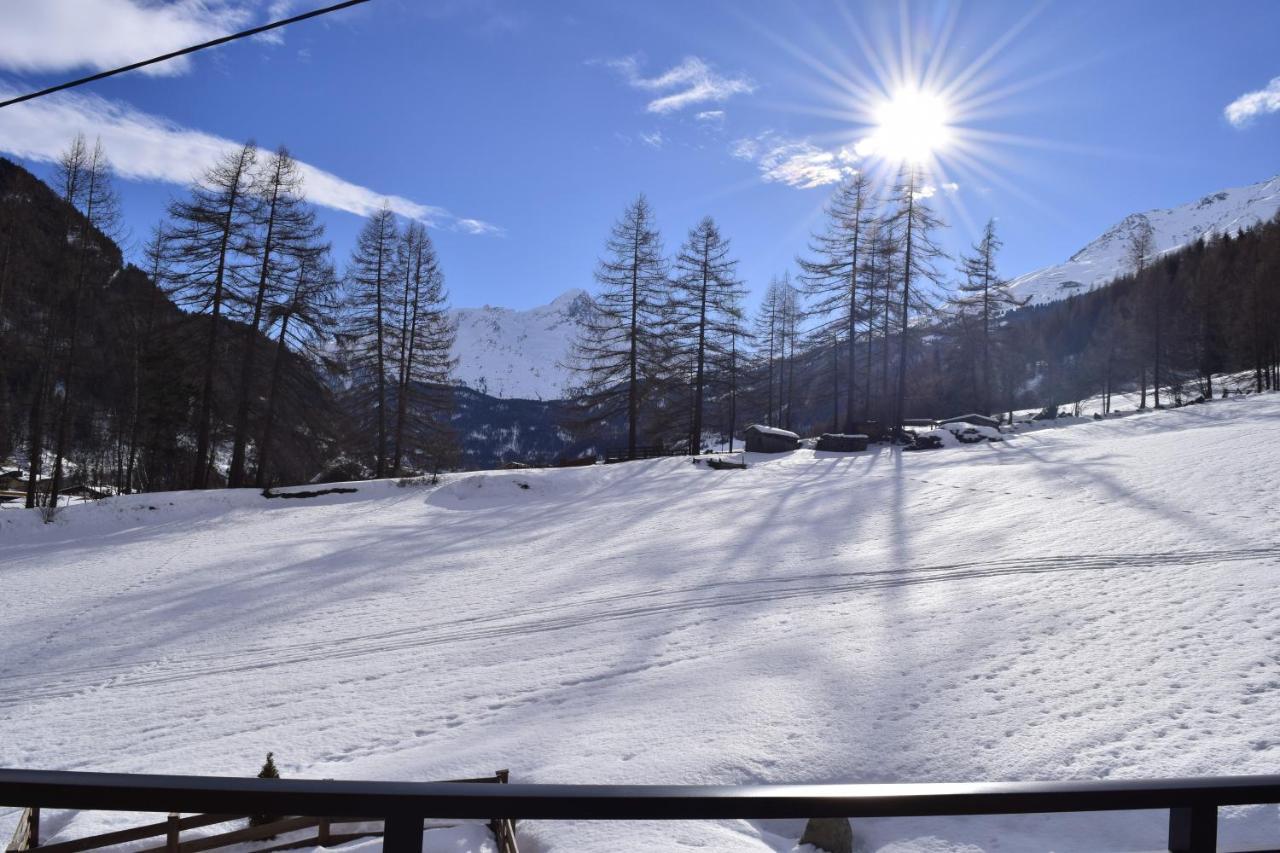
27,834
1191,804
623,454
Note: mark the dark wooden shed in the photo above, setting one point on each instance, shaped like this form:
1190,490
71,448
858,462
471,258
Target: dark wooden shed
765,439
975,420
842,443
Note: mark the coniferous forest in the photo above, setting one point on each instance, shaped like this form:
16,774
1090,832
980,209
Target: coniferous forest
236,352
877,326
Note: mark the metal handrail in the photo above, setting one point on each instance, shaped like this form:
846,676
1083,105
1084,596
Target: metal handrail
1192,803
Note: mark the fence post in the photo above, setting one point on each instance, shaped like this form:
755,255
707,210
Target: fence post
402,834
322,833
1193,829
33,827
503,829
171,835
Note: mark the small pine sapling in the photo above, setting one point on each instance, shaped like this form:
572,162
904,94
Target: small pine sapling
268,771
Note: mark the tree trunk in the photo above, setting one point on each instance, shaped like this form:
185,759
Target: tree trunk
633,398
268,427
695,440
235,477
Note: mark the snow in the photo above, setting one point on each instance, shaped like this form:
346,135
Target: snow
522,354
1093,601
1104,259
958,428
767,430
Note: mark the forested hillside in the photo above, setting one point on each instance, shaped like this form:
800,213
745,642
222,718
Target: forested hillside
70,308
880,325
241,356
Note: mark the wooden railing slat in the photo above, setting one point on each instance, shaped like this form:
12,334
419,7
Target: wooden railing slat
22,832
251,833
120,836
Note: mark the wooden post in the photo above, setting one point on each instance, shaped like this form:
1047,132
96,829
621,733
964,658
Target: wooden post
402,835
503,829
322,834
171,835
33,827
1193,829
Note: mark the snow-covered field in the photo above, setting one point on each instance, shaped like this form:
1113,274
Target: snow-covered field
1088,601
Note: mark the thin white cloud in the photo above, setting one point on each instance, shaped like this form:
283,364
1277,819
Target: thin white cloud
276,10
476,226
710,115
691,82
57,35
1250,105
146,147
951,187
653,140
794,162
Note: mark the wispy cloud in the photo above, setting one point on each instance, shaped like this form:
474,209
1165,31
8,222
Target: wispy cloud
476,226
653,140
690,83
710,115
1250,105
59,35
795,162
276,10
146,147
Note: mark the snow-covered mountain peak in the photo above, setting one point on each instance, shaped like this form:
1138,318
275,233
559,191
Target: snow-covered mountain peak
1104,259
507,352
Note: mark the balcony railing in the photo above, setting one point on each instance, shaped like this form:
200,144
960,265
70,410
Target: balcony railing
1192,803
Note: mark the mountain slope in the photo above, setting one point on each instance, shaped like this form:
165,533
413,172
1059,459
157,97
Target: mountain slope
507,353
1103,259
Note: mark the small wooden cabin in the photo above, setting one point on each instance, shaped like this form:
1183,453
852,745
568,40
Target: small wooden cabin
842,443
766,439
974,420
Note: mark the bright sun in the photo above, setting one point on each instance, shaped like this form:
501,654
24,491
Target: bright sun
911,126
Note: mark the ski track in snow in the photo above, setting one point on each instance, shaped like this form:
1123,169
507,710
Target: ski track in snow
1089,601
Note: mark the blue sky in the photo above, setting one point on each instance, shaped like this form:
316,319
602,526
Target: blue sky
519,131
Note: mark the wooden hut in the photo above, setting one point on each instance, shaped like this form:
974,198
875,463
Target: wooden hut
842,443
765,439
974,420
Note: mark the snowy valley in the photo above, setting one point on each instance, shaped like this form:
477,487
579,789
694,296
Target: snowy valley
505,353
1078,601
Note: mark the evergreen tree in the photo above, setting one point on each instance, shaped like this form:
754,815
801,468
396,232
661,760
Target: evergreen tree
85,177
984,296
790,318
832,275
913,221
423,342
268,771
207,234
1140,249
285,231
304,319
729,358
705,308
372,277
620,349
768,334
